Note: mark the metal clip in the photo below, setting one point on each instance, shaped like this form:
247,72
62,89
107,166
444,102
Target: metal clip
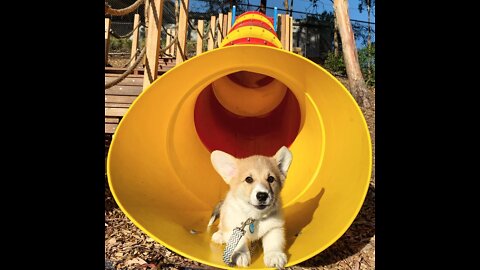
247,222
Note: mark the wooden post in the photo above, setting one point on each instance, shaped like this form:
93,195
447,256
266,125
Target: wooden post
173,49
225,25
219,30
263,6
182,32
279,25
107,39
291,33
155,10
199,38
211,33
168,40
287,32
133,53
283,30
229,22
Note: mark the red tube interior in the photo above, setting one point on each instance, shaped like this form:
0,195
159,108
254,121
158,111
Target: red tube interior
220,129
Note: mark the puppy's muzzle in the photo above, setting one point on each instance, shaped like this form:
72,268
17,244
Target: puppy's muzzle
262,196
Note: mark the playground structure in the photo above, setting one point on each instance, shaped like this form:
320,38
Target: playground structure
158,164
123,85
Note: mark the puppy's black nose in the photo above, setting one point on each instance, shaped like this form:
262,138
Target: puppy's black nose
262,196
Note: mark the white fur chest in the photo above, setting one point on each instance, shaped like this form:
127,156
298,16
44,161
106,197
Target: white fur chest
262,226
235,212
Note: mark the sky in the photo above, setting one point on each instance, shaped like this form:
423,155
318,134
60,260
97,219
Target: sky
306,6
324,5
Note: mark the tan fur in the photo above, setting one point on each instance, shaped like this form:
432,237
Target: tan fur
240,202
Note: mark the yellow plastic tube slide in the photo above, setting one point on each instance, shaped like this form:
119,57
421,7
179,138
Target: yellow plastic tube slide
159,168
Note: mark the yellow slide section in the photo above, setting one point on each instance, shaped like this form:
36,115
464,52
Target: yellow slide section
159,166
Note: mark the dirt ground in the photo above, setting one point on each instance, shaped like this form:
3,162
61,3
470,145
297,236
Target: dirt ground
127,247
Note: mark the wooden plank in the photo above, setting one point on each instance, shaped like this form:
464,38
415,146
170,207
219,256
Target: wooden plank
117,105
107,38
225,25
283,30
119,70
165,68
173,48
110,128
291,33
182,32
115,112
134,76
229,21
211,33
199,38
219,29
121,90
112,120
287,32
120,99
136,23
155,10
168,39
126,81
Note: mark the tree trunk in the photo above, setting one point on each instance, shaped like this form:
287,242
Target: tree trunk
358,88
336,51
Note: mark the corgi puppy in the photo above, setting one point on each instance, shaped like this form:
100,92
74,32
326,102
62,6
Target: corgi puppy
255,184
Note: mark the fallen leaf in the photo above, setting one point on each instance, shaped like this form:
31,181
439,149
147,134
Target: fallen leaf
357,265
111,241
134,261
119,254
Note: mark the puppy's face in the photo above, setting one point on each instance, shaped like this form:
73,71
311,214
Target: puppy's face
256,180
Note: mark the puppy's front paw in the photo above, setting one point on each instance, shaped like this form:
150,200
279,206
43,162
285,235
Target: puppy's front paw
276,259
217,237
242,259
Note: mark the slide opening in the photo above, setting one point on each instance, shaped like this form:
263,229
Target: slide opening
246,113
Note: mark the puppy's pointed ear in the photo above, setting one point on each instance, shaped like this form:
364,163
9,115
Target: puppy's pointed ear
283,158
224,164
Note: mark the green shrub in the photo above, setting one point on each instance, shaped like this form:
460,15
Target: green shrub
335,64
123,45
366,58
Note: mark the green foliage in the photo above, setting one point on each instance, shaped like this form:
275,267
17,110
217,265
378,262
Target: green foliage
366,58
365,4
191,48
141,43
335,64
215,6
369,4
120,45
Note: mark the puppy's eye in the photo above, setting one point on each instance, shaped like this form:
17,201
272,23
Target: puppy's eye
249,179
270,179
